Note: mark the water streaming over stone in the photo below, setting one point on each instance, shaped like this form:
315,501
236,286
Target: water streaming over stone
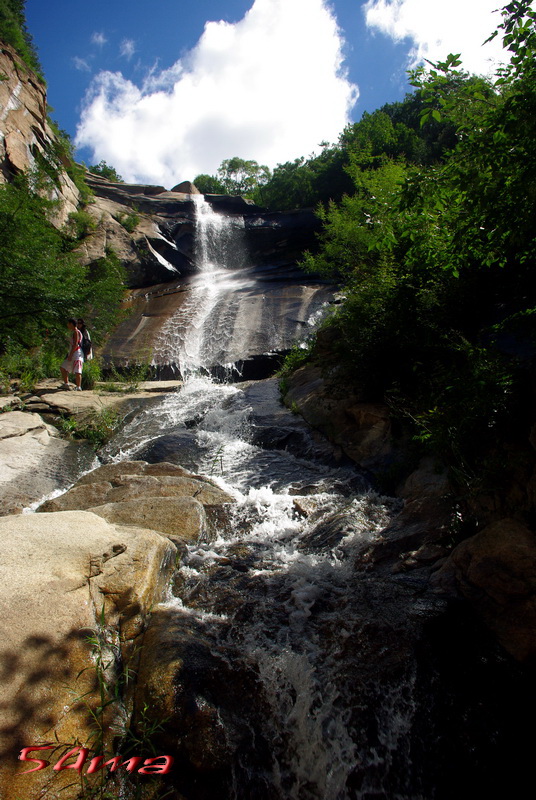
303,656
276,586
199,334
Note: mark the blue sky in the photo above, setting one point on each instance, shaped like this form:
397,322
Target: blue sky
165,89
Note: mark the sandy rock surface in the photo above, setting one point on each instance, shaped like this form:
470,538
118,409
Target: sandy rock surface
58,572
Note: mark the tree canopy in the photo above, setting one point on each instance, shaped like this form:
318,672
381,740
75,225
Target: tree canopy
234,176
435,246
41,280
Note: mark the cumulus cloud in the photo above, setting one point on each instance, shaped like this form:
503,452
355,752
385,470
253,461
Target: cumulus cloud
440,27
99,39
128,48
270,87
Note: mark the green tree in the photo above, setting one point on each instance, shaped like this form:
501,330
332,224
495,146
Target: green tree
436,254
239,176
106,171
41,280
209,184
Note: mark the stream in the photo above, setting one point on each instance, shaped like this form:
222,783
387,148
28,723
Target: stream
312,675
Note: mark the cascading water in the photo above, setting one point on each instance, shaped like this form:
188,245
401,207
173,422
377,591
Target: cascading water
294,577
303,657
198,336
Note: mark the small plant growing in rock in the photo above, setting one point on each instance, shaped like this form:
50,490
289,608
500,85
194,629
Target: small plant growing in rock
129,221
96,428
80,224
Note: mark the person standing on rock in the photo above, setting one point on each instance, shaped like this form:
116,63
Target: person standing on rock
75,359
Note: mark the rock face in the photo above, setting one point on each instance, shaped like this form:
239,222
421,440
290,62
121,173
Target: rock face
34,461
152,232
266,310
362,430
69,572
60,573
24,128
496,571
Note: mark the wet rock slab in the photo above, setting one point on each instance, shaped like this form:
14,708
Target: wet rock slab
34,460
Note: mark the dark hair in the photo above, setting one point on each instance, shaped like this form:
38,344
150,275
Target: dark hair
73,321
81,324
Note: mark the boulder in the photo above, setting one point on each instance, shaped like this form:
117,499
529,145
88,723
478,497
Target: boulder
186,187
109,472
62,575
133,487
182,519
191,687
496,571
163,497
427,480
79,498
363,430
9,402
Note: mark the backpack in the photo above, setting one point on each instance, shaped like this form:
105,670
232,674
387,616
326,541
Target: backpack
86,344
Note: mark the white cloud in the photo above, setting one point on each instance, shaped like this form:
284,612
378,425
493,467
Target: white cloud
270,87
128,48
81,64
440,27
99,39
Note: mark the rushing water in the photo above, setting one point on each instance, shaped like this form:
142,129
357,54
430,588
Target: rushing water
300,655
275,589
199,335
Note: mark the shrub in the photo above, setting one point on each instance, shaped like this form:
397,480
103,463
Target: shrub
129,221
80,224
91,373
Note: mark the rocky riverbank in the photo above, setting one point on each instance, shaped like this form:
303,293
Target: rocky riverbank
494,568
76,591
35,459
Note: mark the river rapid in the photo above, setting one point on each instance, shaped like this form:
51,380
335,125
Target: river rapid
314,672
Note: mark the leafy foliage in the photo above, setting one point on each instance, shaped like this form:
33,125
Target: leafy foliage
129,221
13,30
106,171
58,155
234,176
80,224
41,281
435,246
209,184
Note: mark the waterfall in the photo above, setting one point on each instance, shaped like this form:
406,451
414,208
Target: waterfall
197,337
305,655
294,596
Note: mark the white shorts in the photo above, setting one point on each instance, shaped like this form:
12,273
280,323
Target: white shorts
74,365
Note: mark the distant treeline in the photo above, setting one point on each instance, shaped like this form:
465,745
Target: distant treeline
393,132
